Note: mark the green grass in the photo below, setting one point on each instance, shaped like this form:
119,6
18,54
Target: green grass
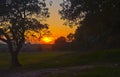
38,60
93,72
41,60
4,60
74,59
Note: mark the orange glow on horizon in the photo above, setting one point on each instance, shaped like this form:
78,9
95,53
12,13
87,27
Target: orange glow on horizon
56,26
47,40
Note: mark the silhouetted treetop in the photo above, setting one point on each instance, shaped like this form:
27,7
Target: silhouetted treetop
70,37
98,22
60,44
60,40
17,17
76,10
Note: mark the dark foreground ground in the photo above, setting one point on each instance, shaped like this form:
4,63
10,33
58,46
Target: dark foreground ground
63,64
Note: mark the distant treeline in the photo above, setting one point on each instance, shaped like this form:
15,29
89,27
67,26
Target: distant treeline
26,48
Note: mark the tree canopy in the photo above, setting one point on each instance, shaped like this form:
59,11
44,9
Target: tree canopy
18,16
98,20
60,44
78,9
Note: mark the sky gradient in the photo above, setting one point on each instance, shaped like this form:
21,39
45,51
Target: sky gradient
56,26
55,23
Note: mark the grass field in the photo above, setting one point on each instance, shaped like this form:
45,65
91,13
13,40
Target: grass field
43,60
93,72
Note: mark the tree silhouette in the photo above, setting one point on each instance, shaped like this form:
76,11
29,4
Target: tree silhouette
98,21
60,40
70,37
60,44
17,17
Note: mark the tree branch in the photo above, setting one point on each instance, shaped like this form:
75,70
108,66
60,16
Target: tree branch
3,40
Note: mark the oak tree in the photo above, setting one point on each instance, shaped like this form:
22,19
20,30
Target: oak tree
17,17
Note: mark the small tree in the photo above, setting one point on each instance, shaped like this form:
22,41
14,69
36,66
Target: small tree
17,17
60,44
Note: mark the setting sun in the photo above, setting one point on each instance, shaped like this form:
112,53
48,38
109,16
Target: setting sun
47,39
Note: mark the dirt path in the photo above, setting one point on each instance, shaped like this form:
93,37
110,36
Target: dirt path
46,72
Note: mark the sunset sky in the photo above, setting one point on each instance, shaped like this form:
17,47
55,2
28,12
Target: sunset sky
56,26
55,23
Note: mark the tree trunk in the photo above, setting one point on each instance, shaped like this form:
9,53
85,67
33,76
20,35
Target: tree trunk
14,57
14,60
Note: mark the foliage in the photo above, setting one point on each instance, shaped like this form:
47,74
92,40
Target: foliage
17,17
70,37
80,9
98,22
60,44
60,40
